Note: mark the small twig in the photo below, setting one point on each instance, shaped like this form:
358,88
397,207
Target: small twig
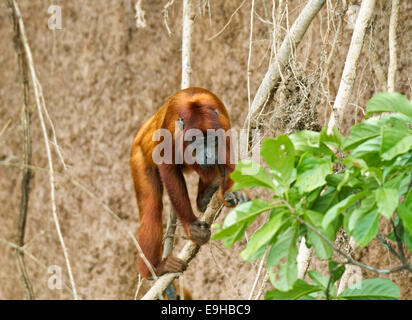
5,127
388,246
339,28
258,275
139,285
227,23
165,14
262,286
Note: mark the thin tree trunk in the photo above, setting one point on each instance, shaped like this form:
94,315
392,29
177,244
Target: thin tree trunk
27,174
349,71
393,45
188,19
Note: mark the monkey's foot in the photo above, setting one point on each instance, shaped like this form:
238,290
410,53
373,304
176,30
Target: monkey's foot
171,264
233,198
199,232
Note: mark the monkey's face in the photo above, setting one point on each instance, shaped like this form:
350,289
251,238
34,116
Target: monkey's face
204,140
202,149
207,152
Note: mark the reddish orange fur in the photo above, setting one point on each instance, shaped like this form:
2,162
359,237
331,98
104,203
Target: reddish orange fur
194,106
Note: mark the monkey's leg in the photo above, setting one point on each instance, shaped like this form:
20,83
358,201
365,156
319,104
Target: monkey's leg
149,191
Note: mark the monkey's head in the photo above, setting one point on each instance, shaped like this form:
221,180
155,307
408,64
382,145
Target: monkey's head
203,135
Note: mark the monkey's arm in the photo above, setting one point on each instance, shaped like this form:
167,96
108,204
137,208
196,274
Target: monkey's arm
175,185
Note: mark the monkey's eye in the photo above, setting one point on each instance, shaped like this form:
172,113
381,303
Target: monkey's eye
181,123
217,112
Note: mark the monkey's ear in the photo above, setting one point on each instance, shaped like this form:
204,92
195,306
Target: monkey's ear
180,123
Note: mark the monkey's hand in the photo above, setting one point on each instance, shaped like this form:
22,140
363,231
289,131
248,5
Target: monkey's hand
199,232
171,264
233,198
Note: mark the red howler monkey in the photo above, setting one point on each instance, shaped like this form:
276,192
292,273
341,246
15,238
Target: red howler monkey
192,108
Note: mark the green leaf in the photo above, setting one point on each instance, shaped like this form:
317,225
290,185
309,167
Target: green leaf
395,140
399,181
371,289
318,278
387,201
263,235
337,274
360,133
338,208
366,206
325,201
251,174
389,102
405,212
311,172
245,211
369,151
305,140
299,290
236,234
357,163
334,139
239,219
322,249
284,253
366,229
400,147
407,239
279,154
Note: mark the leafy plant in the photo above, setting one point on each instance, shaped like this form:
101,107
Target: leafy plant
321,183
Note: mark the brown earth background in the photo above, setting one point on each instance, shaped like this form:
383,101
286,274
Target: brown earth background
102,77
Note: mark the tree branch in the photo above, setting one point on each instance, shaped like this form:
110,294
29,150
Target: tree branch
348,258
188,252
272,77
39,99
